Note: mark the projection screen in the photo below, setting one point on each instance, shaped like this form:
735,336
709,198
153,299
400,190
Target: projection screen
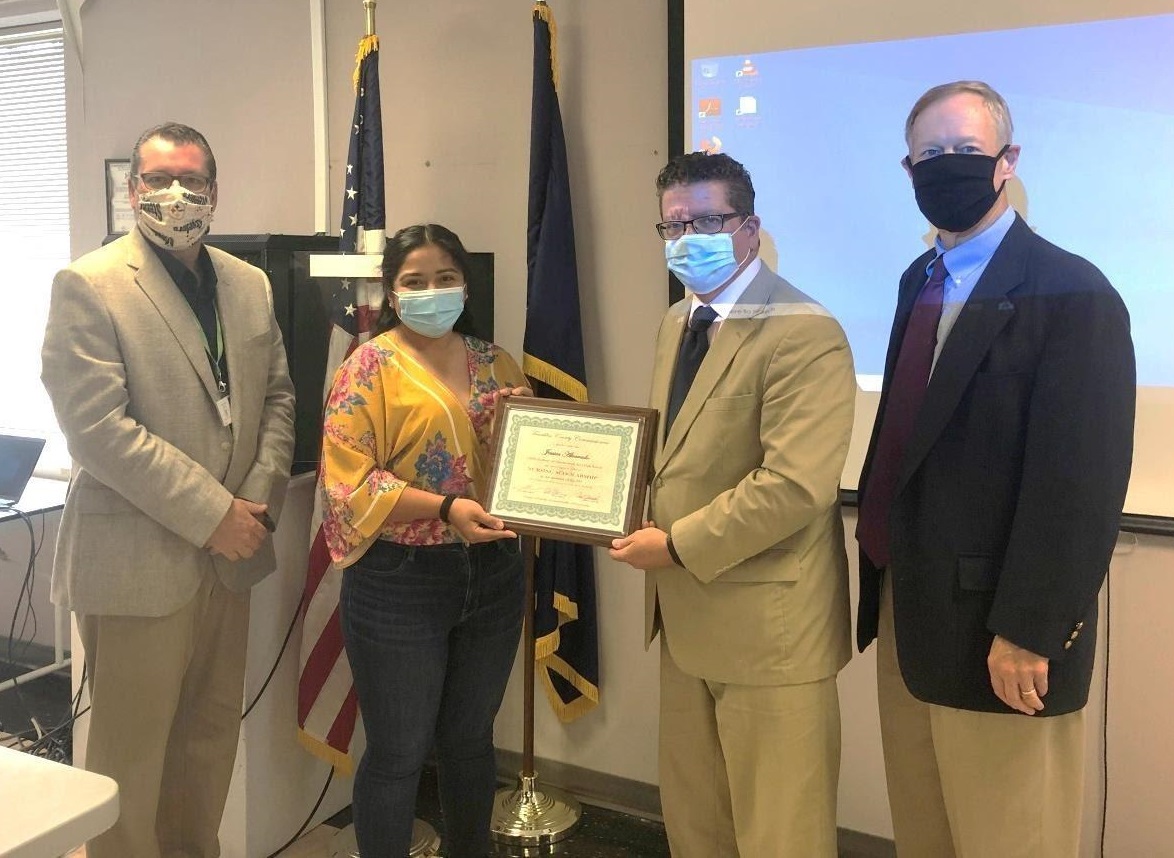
813,100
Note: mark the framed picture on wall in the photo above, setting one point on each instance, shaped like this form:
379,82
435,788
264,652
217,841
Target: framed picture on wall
120,217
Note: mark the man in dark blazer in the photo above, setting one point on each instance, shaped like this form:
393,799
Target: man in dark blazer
990,503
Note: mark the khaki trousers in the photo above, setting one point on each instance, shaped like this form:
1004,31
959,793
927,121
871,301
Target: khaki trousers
748,771
976,784
165,713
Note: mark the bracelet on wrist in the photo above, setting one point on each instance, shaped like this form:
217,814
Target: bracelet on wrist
668,543
445,507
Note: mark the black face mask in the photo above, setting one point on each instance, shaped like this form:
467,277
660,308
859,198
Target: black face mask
955,191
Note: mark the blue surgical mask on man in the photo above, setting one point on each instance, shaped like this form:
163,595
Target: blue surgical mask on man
703,262
431,312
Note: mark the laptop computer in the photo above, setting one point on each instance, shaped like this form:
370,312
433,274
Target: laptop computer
18,458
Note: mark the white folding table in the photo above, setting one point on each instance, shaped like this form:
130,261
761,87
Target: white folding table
48,808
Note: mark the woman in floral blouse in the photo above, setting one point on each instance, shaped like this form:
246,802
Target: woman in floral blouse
431,602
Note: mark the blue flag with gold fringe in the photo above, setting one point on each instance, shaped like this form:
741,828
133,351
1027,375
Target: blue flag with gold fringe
566,641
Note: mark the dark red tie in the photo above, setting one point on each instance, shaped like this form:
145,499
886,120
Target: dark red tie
906,392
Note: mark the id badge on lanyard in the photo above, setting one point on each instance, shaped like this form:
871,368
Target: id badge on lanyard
223,404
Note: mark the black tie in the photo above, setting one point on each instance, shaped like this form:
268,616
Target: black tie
694,345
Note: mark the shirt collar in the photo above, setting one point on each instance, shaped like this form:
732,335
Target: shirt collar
729,296
205,276
976,250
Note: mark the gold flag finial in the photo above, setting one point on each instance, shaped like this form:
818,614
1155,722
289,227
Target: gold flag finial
369,8
367,44
544,12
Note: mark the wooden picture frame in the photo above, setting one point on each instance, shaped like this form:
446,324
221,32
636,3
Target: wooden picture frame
572,471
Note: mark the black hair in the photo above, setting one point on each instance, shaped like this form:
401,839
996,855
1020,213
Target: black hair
179,134
398,248
694,167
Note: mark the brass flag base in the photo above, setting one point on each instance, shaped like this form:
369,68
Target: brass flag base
531,815
529,820
425,842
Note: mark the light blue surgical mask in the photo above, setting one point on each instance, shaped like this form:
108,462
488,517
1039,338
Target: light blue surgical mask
431,312
702,262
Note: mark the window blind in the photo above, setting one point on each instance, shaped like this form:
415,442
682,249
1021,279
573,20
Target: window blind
34,221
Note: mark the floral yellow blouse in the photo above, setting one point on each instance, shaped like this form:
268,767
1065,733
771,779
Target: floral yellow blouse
389,424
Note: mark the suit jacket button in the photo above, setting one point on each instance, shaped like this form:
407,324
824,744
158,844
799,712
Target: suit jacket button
1080,625
659,482
1067,644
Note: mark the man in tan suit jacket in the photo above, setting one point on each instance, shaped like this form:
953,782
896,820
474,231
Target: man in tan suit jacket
167,372
747,572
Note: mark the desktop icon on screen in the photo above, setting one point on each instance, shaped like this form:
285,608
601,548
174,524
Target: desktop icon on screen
707,108
747,106
748,69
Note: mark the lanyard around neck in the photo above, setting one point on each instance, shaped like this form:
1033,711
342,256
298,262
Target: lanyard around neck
215,359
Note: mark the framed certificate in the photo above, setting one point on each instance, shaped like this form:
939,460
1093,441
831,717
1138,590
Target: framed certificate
572,471
120,217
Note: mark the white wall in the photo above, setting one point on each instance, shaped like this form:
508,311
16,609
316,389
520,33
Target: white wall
238,72
456,89
1141,698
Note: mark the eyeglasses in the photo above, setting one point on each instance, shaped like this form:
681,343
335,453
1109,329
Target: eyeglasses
710,224
189,182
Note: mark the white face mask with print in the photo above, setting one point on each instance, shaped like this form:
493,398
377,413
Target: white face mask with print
174,218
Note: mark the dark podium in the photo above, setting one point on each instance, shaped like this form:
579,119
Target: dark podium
303,308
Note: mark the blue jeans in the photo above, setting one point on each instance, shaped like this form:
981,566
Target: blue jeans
430,634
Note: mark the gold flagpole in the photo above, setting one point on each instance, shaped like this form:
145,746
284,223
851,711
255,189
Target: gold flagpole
530,815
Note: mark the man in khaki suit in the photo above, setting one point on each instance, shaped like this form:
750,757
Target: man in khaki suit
167,372
747,573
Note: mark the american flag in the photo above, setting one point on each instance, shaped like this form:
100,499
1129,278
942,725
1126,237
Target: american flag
327,706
